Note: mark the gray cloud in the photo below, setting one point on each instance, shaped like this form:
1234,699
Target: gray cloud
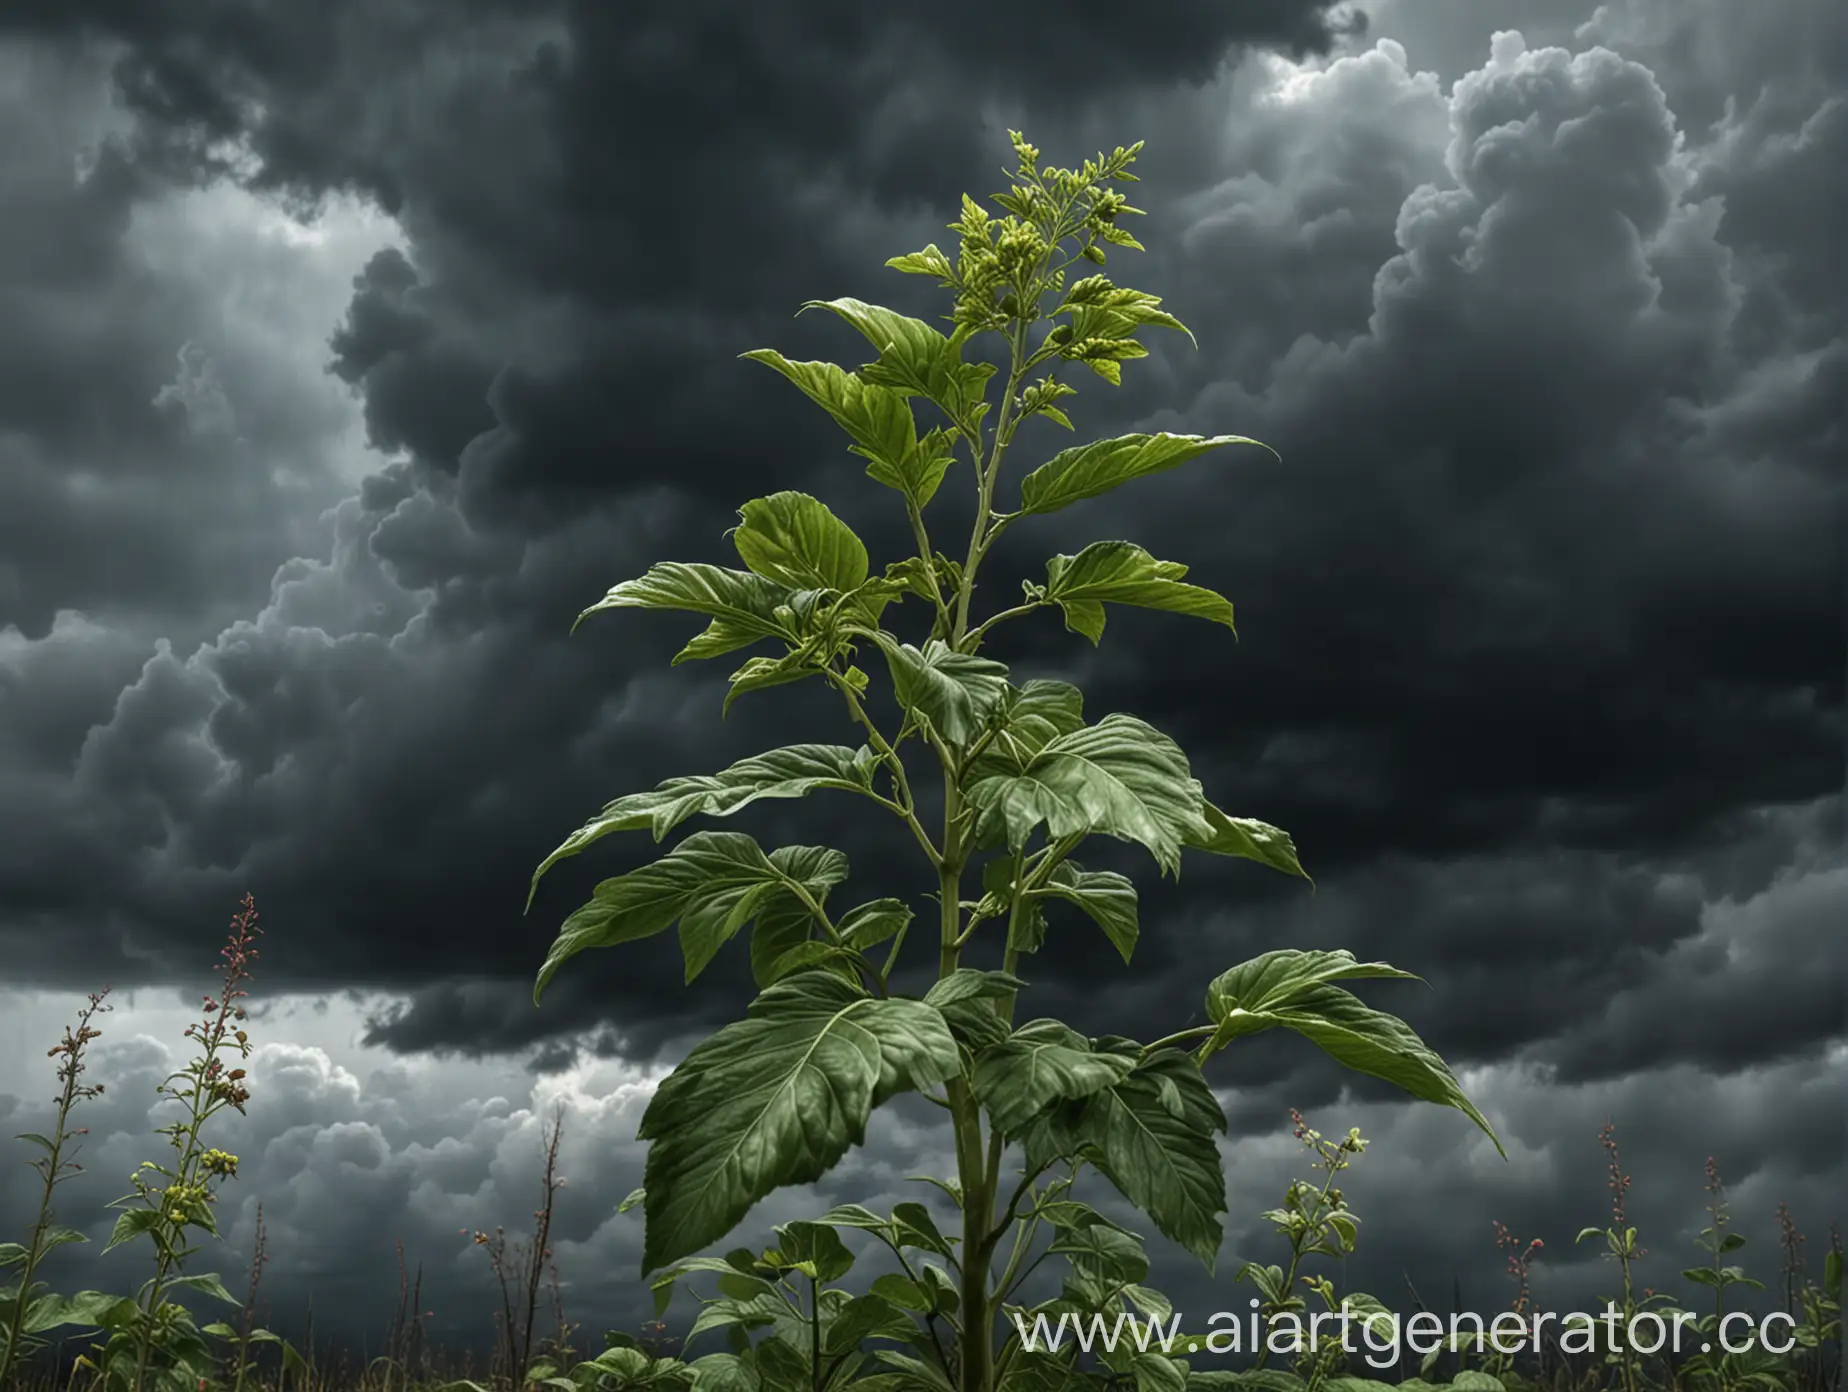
1540,619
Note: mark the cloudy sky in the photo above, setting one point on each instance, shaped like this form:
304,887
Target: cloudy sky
352,348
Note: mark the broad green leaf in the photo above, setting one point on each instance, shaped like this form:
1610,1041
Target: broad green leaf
1120,777
957,691
868,925
777,1099
132,1224
1029,718
914,358
712,883
743,607
879,419
208,1284
1153,1136
1252,840
791,772
1127,309
1041,1062
722,1372
1119,572
86,1309
967,999
1294,990
1087,471
1105,1250
1109,899
635,1196
762,673
784,926
1156,1373
793,539
815,1249
864,1317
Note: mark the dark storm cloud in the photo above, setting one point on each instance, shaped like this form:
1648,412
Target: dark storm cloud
1540,619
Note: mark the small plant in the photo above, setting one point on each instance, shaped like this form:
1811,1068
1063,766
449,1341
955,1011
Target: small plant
1025,778
1316,1221
1520,1255
521,1267
27,1307
1621,1246
1821,1322
154,1340
1715,1366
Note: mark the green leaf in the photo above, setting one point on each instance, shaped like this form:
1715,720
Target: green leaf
1109,899
791,772
132,1224
795,540
1119,572
777,1099
1087,471
1252,840
929,261
884,431
722,1372
207,1283
914,358
967,999
958,692
1121,777
713,883
1155,1373
85,1309
815,1249
1293,989
866,1317
1105,1250
1041,1062
1153,1135
868,925
635,1196
743,607
1030,717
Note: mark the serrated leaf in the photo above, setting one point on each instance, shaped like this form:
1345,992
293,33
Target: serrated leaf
1087,471
790,772
967,999
1165,1163
132,1224
722,1372
1120,777
878,419
1294,990
1107,897
1119,572
743,607
868,925
1246,838
958,692
1105,1250
913,358
1030,717
1041,1062
777,1099
793,539
712,884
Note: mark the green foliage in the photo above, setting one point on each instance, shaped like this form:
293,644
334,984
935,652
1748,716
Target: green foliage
778,1097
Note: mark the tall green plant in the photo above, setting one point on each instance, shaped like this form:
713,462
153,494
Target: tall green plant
778,1097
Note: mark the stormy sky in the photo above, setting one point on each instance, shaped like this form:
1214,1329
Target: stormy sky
352,348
